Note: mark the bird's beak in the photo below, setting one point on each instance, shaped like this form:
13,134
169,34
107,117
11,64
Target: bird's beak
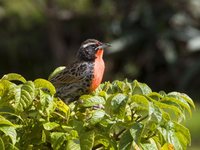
103,45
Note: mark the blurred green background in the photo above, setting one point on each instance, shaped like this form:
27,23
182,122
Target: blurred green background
153,41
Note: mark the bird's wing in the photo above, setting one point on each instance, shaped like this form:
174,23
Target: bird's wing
56,71
72,74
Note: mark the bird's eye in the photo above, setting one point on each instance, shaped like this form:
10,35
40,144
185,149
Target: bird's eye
93,46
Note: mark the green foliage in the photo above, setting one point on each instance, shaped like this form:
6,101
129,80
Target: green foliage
118,115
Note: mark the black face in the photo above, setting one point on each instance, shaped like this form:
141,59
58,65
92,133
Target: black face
88,50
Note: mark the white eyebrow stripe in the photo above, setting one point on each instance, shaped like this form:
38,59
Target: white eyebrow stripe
88,44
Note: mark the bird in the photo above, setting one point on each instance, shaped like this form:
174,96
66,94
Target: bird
84,75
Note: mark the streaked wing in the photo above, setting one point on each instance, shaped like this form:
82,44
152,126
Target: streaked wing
72,74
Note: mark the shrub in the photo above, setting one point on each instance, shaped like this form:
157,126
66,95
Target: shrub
118,115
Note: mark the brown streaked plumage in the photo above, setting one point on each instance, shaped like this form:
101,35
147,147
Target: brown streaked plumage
82,76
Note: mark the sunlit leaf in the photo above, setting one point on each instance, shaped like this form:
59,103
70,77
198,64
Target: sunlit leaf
184,96
149,145
139,103
104,87
155,95
4,121
14,77
116,105
44,84
9,131
136,88
184,133
87,140
175,134
2,146
178,101
61,106
97,116
126,141
89,101
136,132
73,144
145,89
169,107
5,94
47,104
58,139
105,141
44,137
124,87
155,114
24,95
167,146
50,125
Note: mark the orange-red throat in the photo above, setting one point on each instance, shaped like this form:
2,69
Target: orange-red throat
99,53
99,68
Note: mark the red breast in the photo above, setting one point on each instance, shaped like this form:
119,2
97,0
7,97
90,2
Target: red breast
98,71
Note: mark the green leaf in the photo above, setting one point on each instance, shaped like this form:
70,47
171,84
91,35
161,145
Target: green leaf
23,96
56,71
167,146
9,113
183,134
2,146
87,140
139,103
116,104
103,94
175,134
168,107
58,139
183,96
78,125
125,141
50,125
149,145
177,101
155,95
44,84
97,116
9,131
14,76
4,121
140,88
46,101
114,87
123,87
155,114
173,139
44,137
11,147
64,108
188,99
89,101
144,88
73,145
105,140
5,87
136,132
104,87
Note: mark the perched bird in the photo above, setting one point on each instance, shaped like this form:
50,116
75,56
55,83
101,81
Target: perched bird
82,76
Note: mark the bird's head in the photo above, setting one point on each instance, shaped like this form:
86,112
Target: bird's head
91,49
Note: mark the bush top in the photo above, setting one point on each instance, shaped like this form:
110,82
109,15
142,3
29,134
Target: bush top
118,115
